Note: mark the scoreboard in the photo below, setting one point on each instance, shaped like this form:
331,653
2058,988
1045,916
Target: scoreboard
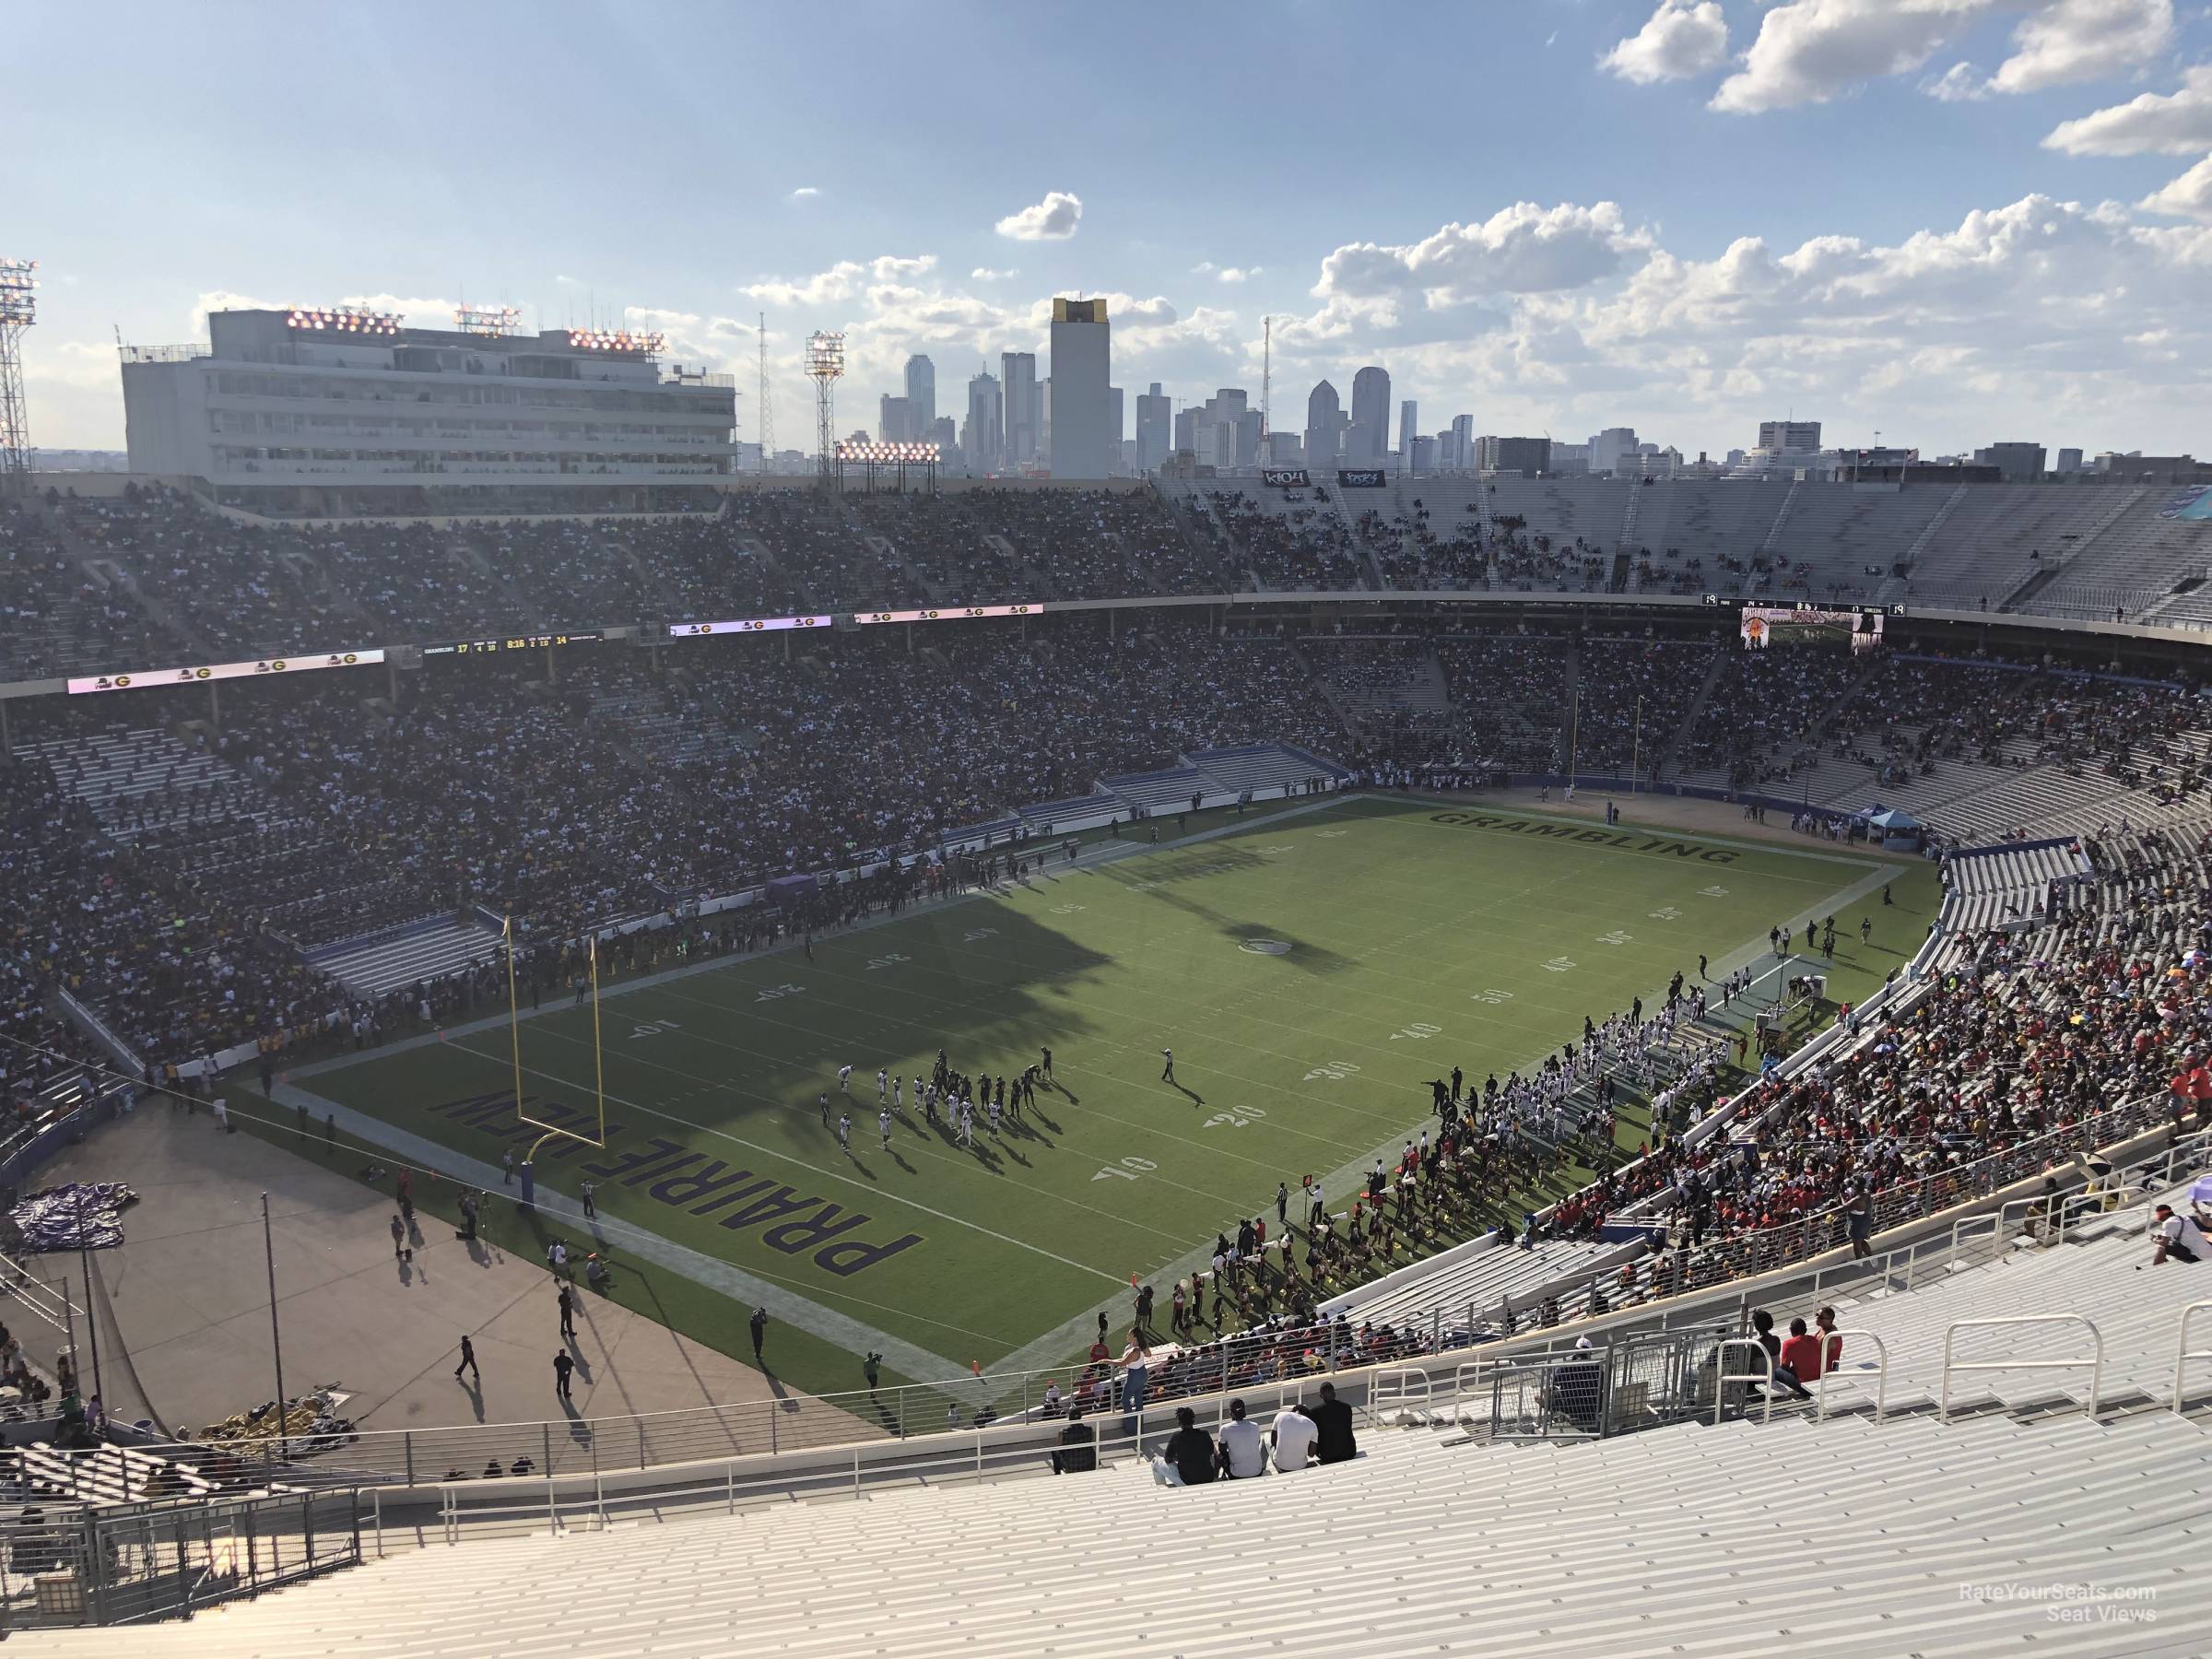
1805,623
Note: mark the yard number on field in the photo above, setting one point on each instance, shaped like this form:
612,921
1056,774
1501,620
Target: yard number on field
650,1028
1418,1032
1236,1118
773,992
891,960
1336,1070
1491,996
1067,909
1712,892
973,934
1615,938
1560,965
1129,1169
1666,912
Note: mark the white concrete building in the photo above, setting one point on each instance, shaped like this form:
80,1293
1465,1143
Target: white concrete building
349,411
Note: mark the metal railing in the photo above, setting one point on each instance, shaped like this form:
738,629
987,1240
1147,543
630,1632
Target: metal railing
1764,1377
2181,1353
1829,1378
2095,1363
136,1563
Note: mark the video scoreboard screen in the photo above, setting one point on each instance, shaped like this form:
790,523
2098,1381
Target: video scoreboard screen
1764,626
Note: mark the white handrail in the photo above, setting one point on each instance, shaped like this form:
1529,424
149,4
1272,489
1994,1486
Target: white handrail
2181,1356
1881,1374
1764,1376
1377,1402
2095,1362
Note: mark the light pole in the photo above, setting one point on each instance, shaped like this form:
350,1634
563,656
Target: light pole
268,1248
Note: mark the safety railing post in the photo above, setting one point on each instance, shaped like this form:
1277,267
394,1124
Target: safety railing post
2095,1362
408,1450
2181,1356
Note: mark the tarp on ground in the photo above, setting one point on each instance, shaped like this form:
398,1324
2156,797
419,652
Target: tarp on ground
76,1214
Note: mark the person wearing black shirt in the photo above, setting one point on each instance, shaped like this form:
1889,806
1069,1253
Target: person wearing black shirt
1333,1418
1080,1447
1190,1450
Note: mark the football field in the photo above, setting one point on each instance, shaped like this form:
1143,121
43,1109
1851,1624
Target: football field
1312,973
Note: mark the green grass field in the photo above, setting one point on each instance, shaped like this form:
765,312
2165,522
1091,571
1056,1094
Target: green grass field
1311,971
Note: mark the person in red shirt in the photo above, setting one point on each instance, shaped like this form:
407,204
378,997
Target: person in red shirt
1801,1354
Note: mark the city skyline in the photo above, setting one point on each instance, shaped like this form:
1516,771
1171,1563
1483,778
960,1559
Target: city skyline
1785,241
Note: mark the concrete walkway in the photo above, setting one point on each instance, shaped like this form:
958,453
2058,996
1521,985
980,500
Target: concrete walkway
189,1294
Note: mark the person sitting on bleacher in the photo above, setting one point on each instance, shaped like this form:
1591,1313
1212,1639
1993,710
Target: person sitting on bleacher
1801,1356
1078,1453
1243,1447
2173,1238
1188,1457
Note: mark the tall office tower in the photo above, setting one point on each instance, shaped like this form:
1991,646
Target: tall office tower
1084,444
921,393
895,424
986,424
1018,386
1409,425
1369,440
1321,417
1155,428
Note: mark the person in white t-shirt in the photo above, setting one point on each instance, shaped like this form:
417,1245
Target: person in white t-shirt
1293,1436
1243,1447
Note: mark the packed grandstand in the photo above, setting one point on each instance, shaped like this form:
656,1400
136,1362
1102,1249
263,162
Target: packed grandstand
531,739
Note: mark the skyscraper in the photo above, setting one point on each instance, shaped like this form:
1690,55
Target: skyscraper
1409,423
895,423
1370,415
920,394
1321,416
1117,421
1459,452
1611,447
1084,443
1017,377
986,424
1155,428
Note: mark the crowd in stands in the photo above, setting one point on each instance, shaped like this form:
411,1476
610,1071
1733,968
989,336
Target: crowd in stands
1300,544
1770,715
58,616
1633,696
2018,1034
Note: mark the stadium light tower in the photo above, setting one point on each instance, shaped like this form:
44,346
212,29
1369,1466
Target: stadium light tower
825,364
18,311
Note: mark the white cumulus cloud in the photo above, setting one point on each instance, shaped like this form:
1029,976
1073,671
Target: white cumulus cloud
2063,41
2189,197
1053,219
1813,50
985,274
1680,39
805,193
1521,248
2164,124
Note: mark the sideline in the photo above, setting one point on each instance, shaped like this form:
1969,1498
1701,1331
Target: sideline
740,1287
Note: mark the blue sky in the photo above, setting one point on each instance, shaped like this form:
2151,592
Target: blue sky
1949,220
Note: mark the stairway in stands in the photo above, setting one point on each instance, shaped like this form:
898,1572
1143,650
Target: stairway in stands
1893,588
1688,722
